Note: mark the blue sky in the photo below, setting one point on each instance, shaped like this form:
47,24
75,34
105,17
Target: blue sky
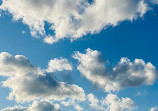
136,39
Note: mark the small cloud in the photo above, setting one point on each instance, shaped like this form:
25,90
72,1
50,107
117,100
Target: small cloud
23,32
153,109
138,94
141,93
61,64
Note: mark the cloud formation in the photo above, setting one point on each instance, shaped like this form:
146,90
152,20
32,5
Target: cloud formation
75,104
58,65
36,106
72,18
118,104
94,102
113,78
28,82
43,106
15,108
111,103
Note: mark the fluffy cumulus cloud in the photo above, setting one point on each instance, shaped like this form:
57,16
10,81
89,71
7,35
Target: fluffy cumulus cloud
113,78
36,106
72,18
114,103
75,104
58,65
94,102
111,103
28,82
43,106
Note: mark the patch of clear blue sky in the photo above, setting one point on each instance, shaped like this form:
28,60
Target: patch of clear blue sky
138,39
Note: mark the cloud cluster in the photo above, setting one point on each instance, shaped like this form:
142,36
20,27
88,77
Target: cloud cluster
111,103
72,18
113,78
28,82
36,106
94,102
70,102
116,104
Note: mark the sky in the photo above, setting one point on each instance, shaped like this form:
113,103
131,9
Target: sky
78,55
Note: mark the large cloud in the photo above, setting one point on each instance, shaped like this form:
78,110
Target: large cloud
36,106
113,78
72,18
28,82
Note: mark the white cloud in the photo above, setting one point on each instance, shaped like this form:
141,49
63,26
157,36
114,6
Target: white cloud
28,82
15,108
66,103
110,103
58,65
42,105
94,102
72,18
142,8
78,107
153,109
73,103
23,32
15,66
49,40
113,78
114,103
